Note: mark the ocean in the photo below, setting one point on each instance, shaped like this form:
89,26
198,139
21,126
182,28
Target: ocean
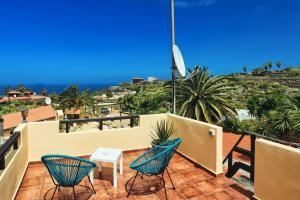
58,88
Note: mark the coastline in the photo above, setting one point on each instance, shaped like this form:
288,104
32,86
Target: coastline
58,88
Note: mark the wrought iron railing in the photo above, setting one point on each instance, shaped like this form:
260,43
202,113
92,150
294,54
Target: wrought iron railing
68,122
234,167
6,148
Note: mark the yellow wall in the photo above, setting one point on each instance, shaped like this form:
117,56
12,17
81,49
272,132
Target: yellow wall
11,177
198,145
48,140
277,171
40,138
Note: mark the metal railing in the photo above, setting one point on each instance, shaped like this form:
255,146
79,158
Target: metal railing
233,168
69,122
6,147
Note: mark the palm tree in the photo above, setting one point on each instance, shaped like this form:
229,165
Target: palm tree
205,97
266,66
286,123
278,64
44,92
245,68
21,88
270,65
71,98
6,91
88,101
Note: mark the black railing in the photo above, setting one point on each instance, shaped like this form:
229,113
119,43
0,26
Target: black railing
69,122
6,147
233,168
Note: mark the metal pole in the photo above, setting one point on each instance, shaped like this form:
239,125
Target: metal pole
173,62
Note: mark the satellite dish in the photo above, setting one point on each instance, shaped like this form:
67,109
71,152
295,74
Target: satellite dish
178,61
48,101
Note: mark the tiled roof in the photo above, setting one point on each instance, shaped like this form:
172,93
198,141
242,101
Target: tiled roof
73,111
33,97
36,114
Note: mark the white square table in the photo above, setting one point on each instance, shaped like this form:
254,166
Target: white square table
108,155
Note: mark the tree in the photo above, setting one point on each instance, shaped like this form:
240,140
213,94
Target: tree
22,88
6,91
245,68
253,105
266,66
44,92
270,65
286,123
71,98
278,64
205,97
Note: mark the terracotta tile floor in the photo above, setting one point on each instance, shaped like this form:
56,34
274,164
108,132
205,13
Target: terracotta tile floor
190,181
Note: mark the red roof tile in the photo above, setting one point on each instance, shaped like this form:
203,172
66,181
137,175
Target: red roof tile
36,114
32,97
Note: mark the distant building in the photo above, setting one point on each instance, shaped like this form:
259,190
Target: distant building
22,98
137,80
114,87
152,79
244,114
42,113
59,115
14,94
73,113
28,94
104,97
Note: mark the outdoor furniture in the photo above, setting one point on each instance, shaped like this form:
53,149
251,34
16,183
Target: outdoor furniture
155,162
67,171
108,155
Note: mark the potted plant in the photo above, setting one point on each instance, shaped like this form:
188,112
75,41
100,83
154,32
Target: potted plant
162,132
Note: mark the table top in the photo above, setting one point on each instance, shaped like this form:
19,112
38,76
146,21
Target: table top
106,154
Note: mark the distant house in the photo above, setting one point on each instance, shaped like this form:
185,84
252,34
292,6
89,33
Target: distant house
73,113
14,94
22,98
28,94
152,79
42,113
114,87
244,114
137,80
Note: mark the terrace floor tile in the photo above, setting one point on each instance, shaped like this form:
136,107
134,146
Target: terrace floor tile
191,182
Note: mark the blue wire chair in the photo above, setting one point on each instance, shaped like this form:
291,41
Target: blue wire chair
155,161
67,171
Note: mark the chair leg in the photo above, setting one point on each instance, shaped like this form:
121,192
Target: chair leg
54,192
132,184
74,193
60,193
170,179
164,186
92,184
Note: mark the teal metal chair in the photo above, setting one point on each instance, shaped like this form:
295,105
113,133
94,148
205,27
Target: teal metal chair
67,171
155,162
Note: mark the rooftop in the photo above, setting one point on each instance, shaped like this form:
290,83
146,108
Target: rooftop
24,98
35,114
73,111
191,182
197,169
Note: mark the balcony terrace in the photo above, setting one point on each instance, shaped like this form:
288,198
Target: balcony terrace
197,169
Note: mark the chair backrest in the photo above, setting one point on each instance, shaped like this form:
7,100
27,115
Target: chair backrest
67,170
156,160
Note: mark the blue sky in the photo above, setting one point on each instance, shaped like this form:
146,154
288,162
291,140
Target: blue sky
66,41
